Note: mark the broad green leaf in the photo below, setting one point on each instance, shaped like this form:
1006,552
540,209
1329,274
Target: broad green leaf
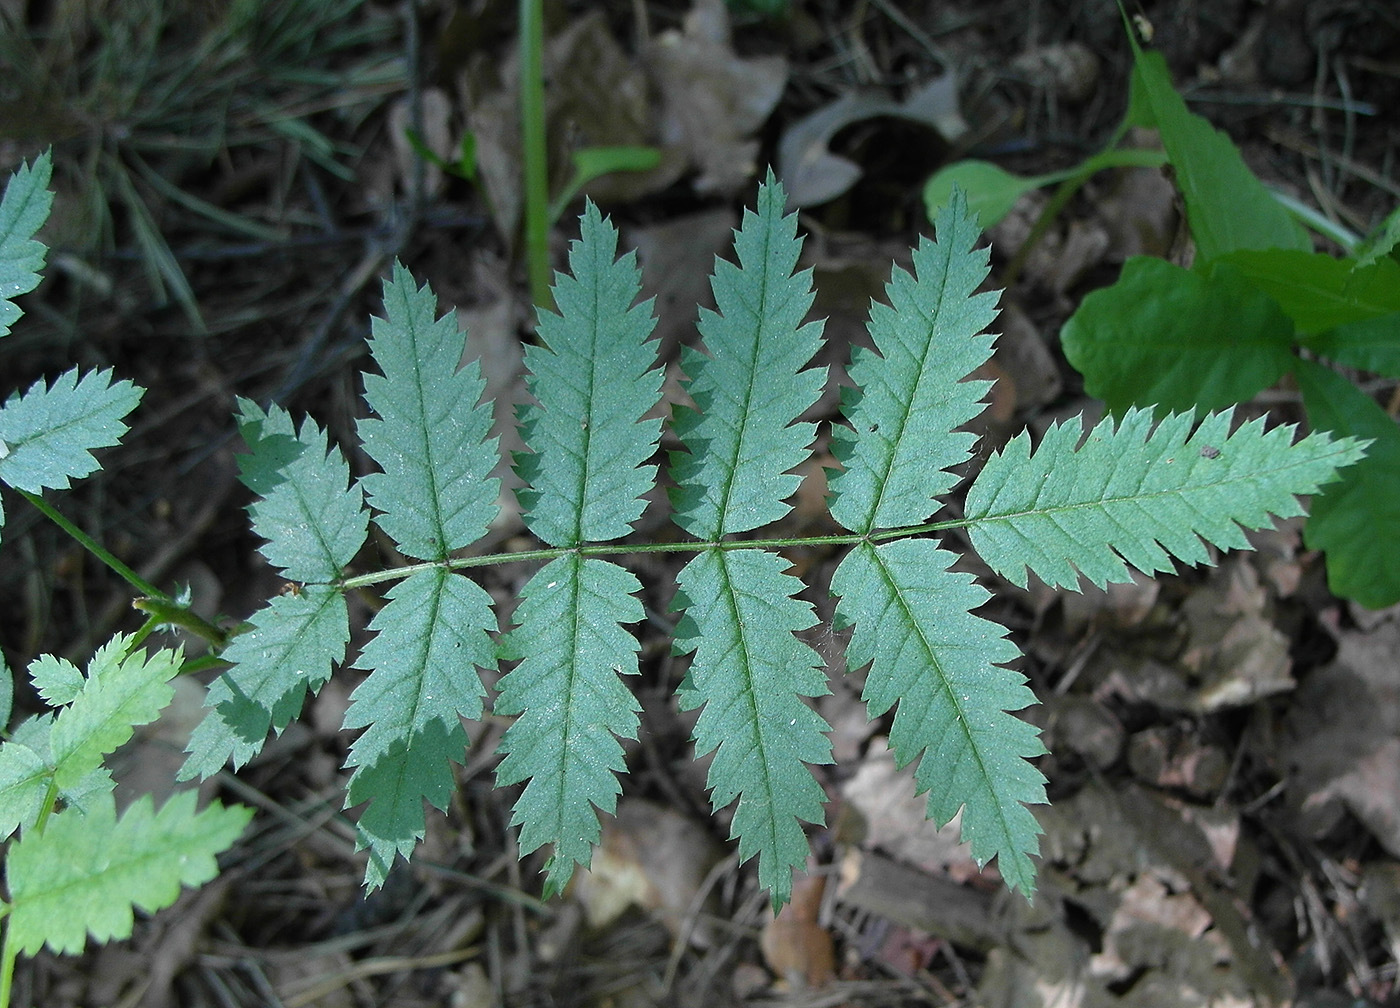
1227,207
84,872
1318,291
1380,242
121,691
571,702
430,434
909,399
1356,519
940,667
48,434
292,647
313,521
1136,495
749,674
1177,339
992,191
1372,344
23,210
743,442
428,642
593,377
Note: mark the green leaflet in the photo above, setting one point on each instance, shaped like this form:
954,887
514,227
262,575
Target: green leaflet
84,872
742,442
23,210
1371,344
294,643
1178,339
1132,494
593,378
312,523
1318,292
431,438
571,702
1362,509
96,716
48,434
909,398
750,674
939,666
421,683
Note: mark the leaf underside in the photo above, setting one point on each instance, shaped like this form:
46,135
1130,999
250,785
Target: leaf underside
23,210
1138,494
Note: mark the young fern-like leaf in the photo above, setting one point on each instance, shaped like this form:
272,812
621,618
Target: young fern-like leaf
592,378
23,210
927,655
742,442
434,494
1138,494
314,523
82,875
97,713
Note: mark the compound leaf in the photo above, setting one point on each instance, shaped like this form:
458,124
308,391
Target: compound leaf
24,785
592,378
84,872
1178,339
908,399
313,521
939,665
294,642
435,493
742,442
48,434
422,662
571,702
1363,507
1139,495
23,210
749,673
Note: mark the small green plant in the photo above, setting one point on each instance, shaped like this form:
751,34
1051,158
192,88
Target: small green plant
1080,504
77,866
1132,494
1256,306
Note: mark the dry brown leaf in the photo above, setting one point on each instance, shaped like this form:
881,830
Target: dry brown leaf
795,945
713,101
1343,737
650,857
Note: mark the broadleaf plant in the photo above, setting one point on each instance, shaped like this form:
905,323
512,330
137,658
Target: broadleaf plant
1130,494
1257,305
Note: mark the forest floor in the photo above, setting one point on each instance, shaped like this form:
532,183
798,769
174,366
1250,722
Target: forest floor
1224,767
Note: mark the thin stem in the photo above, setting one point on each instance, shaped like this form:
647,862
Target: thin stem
8,955
535,150
622,549
165,610
94,547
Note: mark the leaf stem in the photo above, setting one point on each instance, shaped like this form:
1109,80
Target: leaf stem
622,549
94,547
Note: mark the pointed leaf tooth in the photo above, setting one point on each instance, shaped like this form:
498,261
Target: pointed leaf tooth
48,434
23,210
